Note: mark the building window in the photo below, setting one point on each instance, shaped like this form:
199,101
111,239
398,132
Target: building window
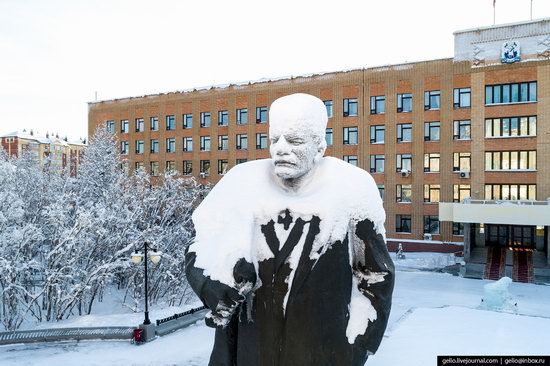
154,122
461,192
461,161
170,167
381,190
431,131
261,114
170,123
403,192
404,162
510,160
377,163
377,134
352,159
223,142
187,121
431,162
510,191
154,165
187,144
431,224
350,107
110,126
431,100
154,147
261,141
205,167
328,105
458,228
124,126
462,98
404,132
187,167
242,142
350,135
205,143
329,137
223,118
461,130
242,116
404,102
403,223
431,193
222,166
377,104
511,127
140,147
171,145
511,93
140,125
240,161
205,119
124,147
138,166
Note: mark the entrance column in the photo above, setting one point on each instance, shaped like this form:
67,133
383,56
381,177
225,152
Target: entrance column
467,240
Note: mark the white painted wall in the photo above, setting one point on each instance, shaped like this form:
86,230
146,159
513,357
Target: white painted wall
505,213
485,44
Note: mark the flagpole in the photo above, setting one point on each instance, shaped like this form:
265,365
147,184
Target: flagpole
531,9
494,12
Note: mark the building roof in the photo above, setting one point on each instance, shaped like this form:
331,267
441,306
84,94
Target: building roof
378,68
506,25
41,139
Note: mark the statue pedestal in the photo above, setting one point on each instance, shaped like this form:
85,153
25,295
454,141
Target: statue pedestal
149,332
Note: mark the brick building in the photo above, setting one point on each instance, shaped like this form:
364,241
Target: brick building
59,153
475,126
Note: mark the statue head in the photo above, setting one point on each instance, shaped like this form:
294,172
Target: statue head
297,127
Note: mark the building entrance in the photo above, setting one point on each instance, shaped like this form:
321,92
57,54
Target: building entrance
514,236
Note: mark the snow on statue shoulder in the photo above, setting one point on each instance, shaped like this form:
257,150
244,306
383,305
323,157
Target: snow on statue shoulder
308,226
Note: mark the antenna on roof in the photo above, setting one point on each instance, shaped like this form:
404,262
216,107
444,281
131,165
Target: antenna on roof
96,96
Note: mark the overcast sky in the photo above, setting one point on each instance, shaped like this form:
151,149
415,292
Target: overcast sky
55,55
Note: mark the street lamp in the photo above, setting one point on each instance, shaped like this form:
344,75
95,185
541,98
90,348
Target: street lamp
137,257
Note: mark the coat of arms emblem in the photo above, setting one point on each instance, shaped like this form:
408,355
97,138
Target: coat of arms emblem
510,52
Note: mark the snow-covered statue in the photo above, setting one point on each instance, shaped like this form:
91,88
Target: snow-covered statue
290,253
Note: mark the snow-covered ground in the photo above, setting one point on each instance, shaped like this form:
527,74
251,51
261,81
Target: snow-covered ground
433,314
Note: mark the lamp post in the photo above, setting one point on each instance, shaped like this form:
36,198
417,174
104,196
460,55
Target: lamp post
137,257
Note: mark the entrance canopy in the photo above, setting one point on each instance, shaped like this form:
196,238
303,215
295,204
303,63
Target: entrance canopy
497,212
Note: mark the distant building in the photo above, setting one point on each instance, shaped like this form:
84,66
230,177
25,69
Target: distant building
474,126
57,152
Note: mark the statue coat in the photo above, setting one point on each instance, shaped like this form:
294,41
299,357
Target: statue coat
299,311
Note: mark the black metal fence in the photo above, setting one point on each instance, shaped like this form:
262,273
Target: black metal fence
180,315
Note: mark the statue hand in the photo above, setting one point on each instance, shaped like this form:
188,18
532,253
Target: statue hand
245,277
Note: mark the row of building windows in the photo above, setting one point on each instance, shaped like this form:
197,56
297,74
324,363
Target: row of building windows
241,118
187,143
495,127
494,160
431,225
494,94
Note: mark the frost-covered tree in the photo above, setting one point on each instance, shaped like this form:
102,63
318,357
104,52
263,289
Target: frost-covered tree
64,240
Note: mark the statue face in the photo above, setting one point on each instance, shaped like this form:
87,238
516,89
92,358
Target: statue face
294,154
297,125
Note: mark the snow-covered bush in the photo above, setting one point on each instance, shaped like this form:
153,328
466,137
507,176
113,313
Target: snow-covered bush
63,240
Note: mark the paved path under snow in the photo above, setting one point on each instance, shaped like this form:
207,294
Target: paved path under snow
443,319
